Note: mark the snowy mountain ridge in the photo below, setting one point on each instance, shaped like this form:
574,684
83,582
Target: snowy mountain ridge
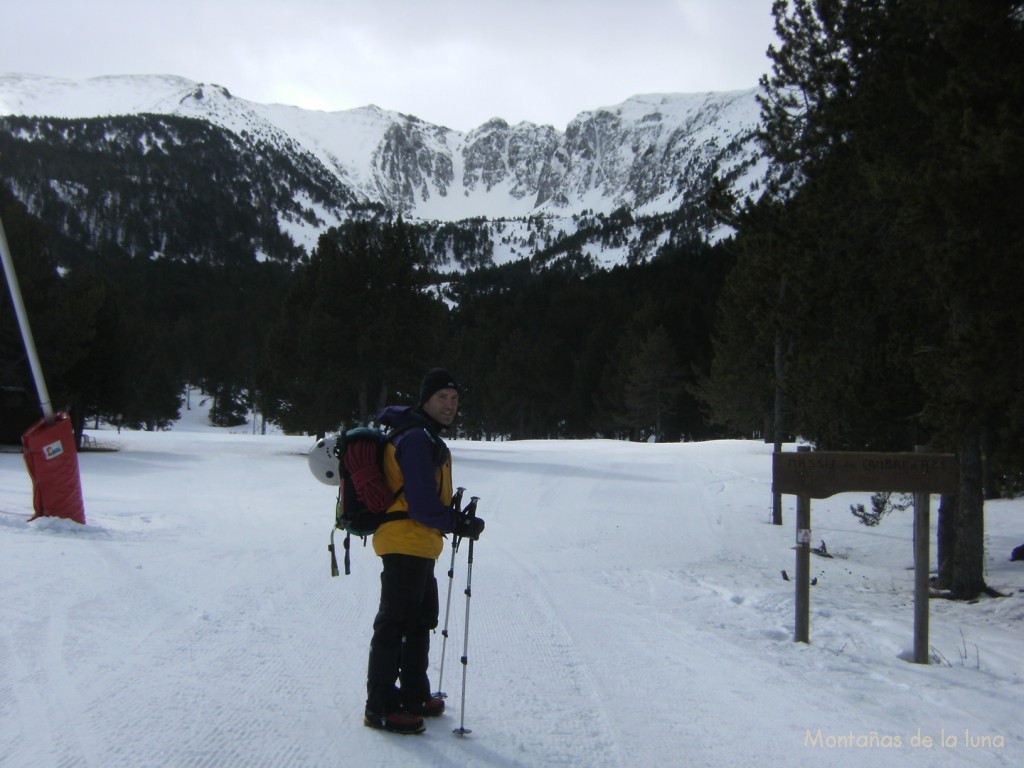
495,170
653,154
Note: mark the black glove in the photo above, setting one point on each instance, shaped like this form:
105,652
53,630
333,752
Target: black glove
469,527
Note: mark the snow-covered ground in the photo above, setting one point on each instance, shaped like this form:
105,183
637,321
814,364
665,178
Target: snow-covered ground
627,609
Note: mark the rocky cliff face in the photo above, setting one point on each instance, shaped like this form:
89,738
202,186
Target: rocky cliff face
650,152
496,154
650,155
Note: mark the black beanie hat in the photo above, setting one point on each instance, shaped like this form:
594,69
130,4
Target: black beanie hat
436,378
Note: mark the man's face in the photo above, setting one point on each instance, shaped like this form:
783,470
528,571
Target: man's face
442,406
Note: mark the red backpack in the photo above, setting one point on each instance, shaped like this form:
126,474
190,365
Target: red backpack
357,457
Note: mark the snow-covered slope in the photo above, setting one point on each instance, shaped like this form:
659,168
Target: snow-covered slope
650,154
627,609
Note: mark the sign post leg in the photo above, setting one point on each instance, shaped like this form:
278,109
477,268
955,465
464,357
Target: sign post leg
922,559
803,569
802,633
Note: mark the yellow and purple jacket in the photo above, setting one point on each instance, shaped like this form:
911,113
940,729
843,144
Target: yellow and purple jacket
418,470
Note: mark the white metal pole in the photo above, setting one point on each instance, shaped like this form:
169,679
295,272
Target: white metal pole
26,330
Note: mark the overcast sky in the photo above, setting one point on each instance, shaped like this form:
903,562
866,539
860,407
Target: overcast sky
456,63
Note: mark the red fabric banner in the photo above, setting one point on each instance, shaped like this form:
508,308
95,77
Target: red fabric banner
52,463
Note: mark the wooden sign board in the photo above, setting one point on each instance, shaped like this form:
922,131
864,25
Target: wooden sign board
820,474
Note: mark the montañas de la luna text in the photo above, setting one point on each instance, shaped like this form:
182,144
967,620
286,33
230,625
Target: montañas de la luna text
874,740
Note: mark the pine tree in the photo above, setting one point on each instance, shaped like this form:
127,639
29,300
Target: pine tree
654,383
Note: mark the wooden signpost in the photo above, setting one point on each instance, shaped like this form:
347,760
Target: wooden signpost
820,474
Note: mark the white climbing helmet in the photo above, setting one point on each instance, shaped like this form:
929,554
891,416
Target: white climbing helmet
323,461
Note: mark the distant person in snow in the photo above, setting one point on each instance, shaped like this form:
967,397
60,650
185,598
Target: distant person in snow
418,469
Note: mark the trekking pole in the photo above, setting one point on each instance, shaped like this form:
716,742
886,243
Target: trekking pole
462,730
457,506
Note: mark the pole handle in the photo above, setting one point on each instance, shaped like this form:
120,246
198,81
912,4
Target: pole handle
457,499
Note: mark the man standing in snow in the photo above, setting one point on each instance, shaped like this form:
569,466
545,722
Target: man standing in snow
418,470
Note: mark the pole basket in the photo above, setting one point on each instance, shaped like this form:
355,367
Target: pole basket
52,463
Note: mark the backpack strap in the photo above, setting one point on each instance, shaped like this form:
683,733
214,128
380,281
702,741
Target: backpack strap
392,437
334,559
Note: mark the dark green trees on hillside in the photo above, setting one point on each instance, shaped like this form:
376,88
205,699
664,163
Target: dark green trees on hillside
553,348
118,337
163,186
570,351
51,315
358,327
875,288
542,351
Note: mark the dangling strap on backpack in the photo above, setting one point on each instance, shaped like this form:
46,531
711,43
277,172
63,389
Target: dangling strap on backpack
334,560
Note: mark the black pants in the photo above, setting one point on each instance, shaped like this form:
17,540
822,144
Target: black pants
400,646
